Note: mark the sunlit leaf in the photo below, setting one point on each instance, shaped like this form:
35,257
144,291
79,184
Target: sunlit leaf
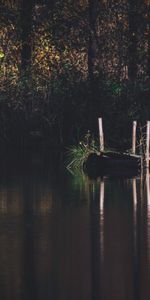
1,54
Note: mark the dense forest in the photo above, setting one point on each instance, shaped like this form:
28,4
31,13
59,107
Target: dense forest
65,63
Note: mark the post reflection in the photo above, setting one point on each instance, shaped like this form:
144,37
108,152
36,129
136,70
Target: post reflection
102,188
148,212
97,238
134,186
116,236
144,240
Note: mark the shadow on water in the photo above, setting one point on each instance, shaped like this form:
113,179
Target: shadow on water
67,237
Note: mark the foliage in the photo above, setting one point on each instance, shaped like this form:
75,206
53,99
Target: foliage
58,95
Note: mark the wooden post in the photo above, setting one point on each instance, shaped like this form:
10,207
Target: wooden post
134,137
101,135
147,143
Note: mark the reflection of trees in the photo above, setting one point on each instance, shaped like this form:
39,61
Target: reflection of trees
46,252
25,246
56,246
11,250
11,200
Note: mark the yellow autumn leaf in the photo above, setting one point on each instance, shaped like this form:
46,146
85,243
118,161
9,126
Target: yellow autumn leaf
1,54
57,57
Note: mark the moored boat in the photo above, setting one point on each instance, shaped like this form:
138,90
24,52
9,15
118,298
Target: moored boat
111,161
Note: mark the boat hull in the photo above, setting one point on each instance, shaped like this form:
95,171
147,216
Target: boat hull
102,164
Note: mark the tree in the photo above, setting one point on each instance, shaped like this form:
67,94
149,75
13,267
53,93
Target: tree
148,25
50,4
93,14
26,30
132,50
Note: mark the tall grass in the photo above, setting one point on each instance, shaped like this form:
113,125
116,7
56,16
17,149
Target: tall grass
77,155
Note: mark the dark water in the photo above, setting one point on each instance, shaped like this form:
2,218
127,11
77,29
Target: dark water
64,237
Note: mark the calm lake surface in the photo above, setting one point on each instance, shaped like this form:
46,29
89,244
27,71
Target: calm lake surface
65,237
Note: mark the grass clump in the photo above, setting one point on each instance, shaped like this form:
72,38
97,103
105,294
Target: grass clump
78,154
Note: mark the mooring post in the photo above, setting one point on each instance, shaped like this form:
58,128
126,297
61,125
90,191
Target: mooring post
101,135
147,143
134,137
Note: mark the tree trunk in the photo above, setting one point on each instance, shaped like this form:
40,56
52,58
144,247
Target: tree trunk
132,50
148,59
93,105
26,29
93,14
51,4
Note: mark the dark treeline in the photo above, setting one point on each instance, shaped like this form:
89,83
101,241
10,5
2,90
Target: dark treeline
64,63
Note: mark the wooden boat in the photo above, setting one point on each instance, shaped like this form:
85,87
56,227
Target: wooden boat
108,162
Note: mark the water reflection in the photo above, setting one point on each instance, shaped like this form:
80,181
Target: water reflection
124,239
102,187
134,184
73,238
146,243
148,212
